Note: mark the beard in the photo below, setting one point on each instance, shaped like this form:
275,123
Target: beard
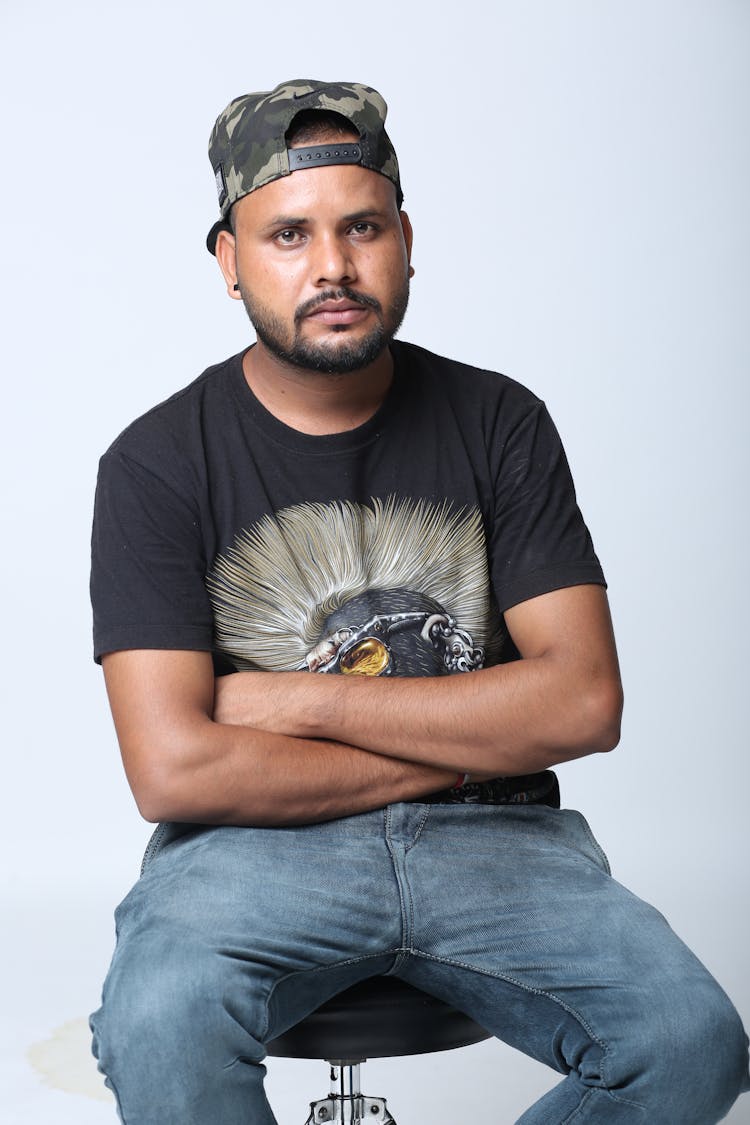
334,355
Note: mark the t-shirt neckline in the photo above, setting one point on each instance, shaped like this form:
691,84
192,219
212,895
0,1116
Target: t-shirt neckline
323,444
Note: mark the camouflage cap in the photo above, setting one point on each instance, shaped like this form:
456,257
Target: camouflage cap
248,147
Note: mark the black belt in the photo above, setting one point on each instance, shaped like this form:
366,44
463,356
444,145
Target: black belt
527,789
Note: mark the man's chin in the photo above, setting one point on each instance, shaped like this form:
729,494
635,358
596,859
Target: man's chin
336,354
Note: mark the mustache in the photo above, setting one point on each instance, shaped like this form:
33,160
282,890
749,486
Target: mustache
341,294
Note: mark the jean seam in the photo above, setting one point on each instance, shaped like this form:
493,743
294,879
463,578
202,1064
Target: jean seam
314,970
152,847
406,899
406,917
113,1088
594,843
406,903
549,996
581,1105
418,833
590,1092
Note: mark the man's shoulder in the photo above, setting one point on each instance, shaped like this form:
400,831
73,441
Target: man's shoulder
463,379
172,420
417,358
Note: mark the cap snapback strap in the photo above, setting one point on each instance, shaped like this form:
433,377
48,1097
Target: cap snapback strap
315,156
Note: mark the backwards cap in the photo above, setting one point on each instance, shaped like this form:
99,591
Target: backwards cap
248,147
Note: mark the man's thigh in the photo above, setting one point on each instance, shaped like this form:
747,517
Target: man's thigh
243,910
517,920
230,936
524,893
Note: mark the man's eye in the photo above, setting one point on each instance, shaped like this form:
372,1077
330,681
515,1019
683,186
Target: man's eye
287,237
362,228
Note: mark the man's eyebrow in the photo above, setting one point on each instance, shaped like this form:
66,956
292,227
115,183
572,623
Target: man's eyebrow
365,213
285,221
281,221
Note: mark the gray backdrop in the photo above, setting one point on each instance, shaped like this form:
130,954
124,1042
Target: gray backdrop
577,177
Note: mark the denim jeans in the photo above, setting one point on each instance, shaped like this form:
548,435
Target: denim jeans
232,935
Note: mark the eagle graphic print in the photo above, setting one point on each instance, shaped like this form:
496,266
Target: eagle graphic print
396,587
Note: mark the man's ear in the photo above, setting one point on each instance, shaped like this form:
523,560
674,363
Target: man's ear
227,258
408,238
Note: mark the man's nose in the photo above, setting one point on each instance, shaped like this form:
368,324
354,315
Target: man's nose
333,263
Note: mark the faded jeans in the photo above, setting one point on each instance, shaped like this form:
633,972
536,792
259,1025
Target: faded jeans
508,912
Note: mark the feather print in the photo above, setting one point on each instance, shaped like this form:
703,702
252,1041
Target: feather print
273,591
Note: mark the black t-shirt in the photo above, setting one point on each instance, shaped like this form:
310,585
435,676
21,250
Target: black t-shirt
393,548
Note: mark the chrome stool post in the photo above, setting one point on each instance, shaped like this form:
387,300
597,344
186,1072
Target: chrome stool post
345,1102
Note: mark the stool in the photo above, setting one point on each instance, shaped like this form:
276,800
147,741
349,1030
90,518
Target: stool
377,1018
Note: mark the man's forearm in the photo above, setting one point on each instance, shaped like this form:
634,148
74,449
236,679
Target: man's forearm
295,747
561,702
182,765
225,774
509,720
514,719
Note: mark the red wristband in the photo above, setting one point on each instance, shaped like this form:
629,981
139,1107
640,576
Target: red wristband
460,781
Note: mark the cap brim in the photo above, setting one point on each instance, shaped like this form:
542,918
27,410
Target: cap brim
213,234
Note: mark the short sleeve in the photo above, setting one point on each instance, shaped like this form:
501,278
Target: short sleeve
148,563
539,541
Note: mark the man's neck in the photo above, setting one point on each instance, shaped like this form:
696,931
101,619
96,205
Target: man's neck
313,402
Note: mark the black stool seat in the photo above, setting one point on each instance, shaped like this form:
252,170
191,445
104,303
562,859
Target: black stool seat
378,1018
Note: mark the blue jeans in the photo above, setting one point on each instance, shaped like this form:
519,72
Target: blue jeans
508,912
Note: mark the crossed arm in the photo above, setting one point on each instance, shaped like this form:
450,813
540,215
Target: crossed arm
266,748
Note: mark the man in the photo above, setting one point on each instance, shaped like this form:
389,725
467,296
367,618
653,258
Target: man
349,615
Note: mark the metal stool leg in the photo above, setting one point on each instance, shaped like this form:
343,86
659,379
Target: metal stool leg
345,1102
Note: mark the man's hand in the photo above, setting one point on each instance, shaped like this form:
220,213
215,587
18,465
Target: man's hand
252,699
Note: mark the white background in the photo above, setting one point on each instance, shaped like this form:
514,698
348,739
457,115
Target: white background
577,174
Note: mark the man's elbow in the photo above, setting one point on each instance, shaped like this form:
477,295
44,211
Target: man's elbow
169,798
155,795
165,778
602,716
153,804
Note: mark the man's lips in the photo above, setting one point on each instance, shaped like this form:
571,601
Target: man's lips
338,312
